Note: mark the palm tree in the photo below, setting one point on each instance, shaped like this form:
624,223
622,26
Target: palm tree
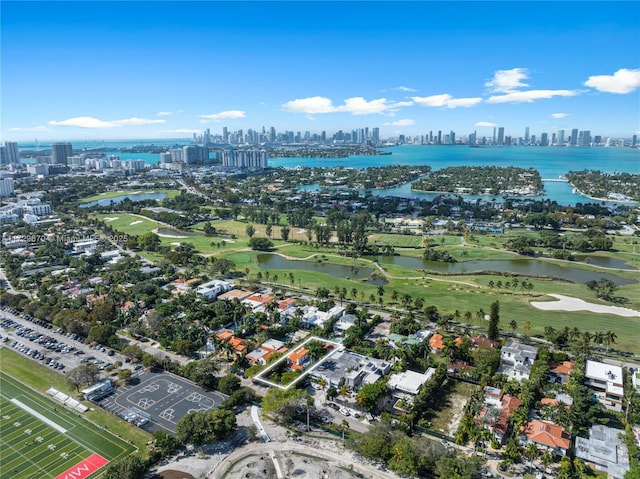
526,326
354,293
344,425
609,337
322,382
394,295
513,324
344,391
468,316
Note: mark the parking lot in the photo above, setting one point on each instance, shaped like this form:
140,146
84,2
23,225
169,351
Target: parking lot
159,400
51,346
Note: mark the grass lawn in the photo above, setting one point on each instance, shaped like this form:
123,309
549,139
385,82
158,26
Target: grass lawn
40,378
130,193
448,412
396,240
41,438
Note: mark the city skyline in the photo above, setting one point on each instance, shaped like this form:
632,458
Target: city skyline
128,70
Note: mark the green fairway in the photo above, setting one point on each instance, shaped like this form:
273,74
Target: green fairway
41,438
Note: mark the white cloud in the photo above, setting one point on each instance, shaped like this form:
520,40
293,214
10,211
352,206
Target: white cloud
486,123
507,81
623,81
91,122
404,88
84,122
530,96
359,106
445,100
164,113
433,100
559,115
356,106
225,115
312,105
405,122
33,128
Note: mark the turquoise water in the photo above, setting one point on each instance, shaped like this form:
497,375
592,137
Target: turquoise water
550,162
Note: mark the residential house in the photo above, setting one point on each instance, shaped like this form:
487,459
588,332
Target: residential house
547,435
516,360
437,345
213,289
352,369
604,450
605,380
562,371
266,349
498,408
406,385
298,358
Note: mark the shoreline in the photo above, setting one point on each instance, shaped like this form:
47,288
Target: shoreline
608,200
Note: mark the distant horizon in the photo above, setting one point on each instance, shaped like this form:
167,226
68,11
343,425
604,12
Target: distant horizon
152,70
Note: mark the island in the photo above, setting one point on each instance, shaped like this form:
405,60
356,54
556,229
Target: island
624,187
482,180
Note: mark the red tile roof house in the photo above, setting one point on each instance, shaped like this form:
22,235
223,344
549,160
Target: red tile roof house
298,358
495,415
563,370
546,435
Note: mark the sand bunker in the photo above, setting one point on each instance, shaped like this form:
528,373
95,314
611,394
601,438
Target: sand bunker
175,243
568,303
111,218
135,222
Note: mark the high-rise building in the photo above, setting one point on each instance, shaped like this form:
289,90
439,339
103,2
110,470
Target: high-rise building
472,138
375,135
574,137
501,135
6,187
439,137
634,140
584,138
60,152
242,158
10,153
560,140
225,135
452,137
526,136
544,139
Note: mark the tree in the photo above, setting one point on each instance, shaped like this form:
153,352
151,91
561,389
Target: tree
84,374
130,467
494,320
260,244
603,288
369,394
250,230
344,391
526,326
284,233
513,324
282,403
269,230
149,241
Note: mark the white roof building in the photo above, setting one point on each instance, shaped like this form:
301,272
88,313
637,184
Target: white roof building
409,382
606,381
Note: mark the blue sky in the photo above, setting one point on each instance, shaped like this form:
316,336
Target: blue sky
100,70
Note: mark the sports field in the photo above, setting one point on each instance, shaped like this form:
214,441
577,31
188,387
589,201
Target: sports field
40,438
